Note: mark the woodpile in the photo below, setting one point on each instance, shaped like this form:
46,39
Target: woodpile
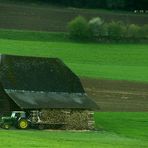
72,119
53,116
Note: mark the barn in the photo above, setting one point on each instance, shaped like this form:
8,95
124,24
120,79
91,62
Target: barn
37,83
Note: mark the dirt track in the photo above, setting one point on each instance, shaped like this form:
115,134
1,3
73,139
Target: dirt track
117,95
55,19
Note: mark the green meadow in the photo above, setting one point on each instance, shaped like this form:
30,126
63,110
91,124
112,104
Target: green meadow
111,61
117,61
115,130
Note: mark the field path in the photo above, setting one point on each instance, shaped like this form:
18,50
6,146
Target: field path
117,95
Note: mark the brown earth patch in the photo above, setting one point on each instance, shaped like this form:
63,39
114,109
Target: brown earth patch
111,95
42,18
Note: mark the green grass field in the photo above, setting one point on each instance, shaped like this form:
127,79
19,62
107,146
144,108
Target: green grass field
118,130
113,61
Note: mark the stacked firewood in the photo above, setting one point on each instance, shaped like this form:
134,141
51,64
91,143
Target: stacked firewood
53,116
77,120
73,119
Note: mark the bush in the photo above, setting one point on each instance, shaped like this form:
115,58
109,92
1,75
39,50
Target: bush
134,31
78,28
144,31
97,28
116,30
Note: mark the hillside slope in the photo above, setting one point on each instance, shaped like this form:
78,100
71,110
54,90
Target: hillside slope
48,18
108,61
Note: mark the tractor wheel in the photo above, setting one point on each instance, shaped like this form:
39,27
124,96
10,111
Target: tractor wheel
23,123
6,126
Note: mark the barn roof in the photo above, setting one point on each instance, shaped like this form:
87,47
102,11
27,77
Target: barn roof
37,82
38,74
34,100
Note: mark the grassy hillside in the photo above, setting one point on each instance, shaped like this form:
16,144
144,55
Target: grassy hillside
128,124
33,35
113,61
120,130
49,18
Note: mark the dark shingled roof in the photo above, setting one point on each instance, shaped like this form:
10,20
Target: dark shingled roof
27,100
38,74
37,82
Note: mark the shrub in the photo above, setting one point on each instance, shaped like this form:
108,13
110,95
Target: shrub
144,31
116,30
134,31
97,28
78,28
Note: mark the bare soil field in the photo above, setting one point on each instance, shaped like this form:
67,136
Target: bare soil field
42,18
121,96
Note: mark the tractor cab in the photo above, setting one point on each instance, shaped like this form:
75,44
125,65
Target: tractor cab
17,119
18,114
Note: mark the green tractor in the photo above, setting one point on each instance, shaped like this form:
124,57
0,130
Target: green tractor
17,119
23,120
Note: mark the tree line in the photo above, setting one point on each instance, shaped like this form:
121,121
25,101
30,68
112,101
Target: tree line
105,4
98,30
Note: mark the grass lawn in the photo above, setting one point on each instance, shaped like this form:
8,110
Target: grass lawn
112,61
128,124
115,134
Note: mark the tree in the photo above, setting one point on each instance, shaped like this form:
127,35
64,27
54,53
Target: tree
115,4
107,4
144,31
96,27
78,28
116,30
134,31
